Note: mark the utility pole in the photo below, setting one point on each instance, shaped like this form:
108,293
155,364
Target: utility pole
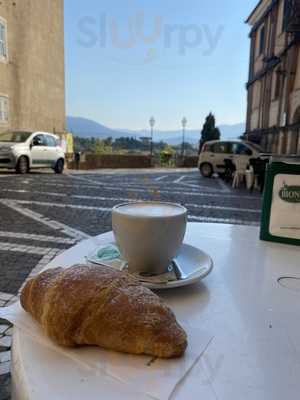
184,123
152,124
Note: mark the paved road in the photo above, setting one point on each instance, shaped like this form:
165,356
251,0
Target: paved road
42,214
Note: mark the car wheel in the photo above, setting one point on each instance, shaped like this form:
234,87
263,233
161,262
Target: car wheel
23,165
59,167
206,170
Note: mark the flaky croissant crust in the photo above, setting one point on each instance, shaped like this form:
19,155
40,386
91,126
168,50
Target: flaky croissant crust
97,305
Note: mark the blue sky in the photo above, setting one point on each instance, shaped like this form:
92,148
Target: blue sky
129,59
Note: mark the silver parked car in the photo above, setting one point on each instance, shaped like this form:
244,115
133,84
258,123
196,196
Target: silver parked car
25,150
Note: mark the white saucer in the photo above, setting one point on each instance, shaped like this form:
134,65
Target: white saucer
194,263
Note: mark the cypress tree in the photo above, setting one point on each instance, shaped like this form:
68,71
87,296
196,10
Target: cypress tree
209,131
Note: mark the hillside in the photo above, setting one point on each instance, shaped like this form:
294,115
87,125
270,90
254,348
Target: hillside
84,127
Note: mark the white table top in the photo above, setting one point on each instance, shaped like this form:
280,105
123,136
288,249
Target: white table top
255,353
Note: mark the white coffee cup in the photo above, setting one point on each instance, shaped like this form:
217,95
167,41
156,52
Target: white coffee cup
149,234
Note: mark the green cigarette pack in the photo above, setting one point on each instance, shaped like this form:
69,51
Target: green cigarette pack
280,221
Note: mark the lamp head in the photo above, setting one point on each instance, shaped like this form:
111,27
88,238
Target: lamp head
152,122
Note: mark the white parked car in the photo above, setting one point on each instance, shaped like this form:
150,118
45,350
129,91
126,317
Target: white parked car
25,150
213,154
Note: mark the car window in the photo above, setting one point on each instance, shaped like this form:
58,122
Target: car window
206,147
256,147
247,151
51,142
39,140
232,148
241,149
220,147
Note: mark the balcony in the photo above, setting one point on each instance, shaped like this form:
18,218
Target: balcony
292,16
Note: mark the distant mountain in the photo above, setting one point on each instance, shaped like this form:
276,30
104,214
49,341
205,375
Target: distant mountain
88,128
174,137
84,127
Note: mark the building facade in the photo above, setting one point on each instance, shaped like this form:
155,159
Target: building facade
273,114
32,76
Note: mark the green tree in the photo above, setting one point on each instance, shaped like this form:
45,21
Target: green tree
101,147
108,141
209,131
166,154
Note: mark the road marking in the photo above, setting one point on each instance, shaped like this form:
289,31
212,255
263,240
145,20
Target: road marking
5,368
78,196
32,191
101,198
59,226
180,179
167,188
39,238
80,178
193,185
160,178
122,189
203,206
222,220
191,217
75,196
27,249
130,171
197,188
5,296
224,186
61,205
54,194
150,189
223,189
128,185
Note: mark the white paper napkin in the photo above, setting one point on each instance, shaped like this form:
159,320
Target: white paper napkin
156,378
110,256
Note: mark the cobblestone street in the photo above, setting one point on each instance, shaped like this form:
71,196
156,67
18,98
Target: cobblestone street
42,214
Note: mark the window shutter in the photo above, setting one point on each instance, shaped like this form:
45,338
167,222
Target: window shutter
3,44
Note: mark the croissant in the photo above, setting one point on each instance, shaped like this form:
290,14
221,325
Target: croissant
97,305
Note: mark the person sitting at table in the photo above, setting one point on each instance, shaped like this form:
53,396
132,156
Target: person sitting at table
259,168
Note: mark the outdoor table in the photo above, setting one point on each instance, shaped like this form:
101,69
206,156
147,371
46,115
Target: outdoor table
254,321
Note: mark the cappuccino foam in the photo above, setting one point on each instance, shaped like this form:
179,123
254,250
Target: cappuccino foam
151,209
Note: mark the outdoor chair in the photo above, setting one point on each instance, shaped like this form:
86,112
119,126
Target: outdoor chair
240,171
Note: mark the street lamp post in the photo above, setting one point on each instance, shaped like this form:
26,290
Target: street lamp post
152,124
184,123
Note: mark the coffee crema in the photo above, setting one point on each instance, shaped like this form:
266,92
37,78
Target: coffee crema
151,209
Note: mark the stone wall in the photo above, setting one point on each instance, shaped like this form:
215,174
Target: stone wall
32,77
187,162
95,161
